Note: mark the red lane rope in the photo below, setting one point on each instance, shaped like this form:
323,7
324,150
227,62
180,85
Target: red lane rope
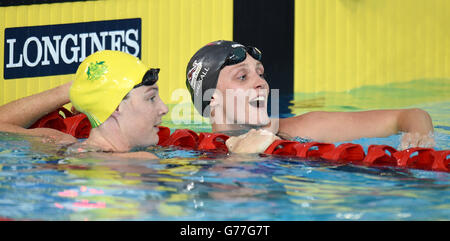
75,125
377,155
6,219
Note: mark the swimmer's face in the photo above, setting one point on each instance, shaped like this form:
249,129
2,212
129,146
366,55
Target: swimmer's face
140,115
241,94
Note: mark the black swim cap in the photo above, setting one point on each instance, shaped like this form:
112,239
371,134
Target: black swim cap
202,72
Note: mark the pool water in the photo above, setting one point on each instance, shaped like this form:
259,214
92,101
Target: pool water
191,185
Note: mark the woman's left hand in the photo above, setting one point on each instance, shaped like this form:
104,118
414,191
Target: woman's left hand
254,141
410,140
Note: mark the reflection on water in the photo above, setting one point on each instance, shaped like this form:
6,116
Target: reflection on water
230,187
37,184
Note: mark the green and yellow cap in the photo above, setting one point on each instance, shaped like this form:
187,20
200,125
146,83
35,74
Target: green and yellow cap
101,82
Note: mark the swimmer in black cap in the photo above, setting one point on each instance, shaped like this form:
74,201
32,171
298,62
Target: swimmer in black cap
227,84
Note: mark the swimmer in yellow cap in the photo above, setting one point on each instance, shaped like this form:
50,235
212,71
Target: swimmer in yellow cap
115,90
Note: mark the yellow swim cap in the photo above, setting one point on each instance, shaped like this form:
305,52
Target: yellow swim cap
102,81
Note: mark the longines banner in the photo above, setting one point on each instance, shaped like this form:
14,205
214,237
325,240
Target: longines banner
58,49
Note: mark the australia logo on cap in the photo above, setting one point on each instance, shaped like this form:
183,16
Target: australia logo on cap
95,71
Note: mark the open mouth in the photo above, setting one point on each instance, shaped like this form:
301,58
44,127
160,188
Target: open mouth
258,102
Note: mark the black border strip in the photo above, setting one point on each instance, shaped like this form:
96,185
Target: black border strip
6,3
269,26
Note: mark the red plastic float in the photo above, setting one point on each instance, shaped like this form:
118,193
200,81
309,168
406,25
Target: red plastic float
441,161
163,134
212,142
282,147
377,155
314,149
182,138
75,125
423,160
348,152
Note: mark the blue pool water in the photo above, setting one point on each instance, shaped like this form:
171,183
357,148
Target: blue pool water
190,185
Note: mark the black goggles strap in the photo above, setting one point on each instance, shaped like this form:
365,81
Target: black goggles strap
150,78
